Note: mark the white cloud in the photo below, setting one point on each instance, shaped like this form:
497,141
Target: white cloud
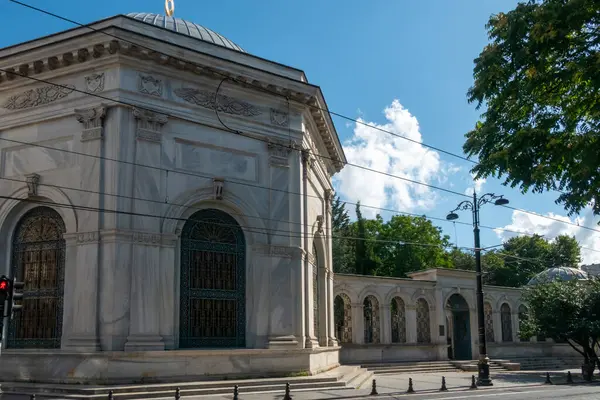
528,223
381,151
477,184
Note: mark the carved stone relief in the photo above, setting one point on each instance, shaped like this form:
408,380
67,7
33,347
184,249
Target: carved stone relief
88,237
33,181
279,152
146,238
94,83
320,221
218,188
307,163
221,103
92,120
279,118
149,125
150,85
37,97
328,197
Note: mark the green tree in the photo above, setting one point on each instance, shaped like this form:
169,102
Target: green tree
494,269
462,259
342,244
565,311
539,78
410,244
565,252
360,245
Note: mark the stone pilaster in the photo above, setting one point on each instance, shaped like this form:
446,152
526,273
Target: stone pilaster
358,323
411,323
310,340
332,340
81,283
144,330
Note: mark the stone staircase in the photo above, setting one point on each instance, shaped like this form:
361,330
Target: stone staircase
410,367
495,365
549,363
343,377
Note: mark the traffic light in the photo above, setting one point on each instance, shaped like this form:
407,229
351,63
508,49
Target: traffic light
4,294
16,294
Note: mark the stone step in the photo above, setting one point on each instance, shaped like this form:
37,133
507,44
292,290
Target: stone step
168,390
407,364
415,371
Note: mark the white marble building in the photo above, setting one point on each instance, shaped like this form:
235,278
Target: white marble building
146,212
431,316
165,199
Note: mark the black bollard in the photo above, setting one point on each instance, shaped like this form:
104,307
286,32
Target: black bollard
443,388
374,388
287,392
473,384
236,392
548,381
32,397
110,395
569,377
177,394
410,386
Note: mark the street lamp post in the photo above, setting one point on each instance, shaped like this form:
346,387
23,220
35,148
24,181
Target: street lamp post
483,375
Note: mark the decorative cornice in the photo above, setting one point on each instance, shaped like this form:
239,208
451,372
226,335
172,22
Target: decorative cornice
92,120
149,125
279,152
220,103
37,97
111,47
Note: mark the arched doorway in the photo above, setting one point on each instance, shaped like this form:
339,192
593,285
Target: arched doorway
38,260
461,327
213,282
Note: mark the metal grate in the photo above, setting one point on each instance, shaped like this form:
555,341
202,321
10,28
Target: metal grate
38,260
213,268
489,322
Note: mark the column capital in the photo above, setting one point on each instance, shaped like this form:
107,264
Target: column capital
93,120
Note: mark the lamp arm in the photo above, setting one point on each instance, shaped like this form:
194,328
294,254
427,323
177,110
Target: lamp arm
464,205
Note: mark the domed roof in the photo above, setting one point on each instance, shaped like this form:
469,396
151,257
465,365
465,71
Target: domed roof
558,274
185,28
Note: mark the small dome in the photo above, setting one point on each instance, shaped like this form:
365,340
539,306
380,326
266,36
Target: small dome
558,274
185,28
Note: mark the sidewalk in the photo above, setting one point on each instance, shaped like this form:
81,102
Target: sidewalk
422,383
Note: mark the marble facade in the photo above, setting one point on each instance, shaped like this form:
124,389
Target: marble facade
126,144
413,319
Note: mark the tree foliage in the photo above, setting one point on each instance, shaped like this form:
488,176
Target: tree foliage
565,311
539,78
343,246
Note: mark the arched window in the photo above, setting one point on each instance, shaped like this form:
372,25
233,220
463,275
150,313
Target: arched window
398,311
315,276
423,322
342,310
213,282
371,317
38,260
489,322
506,319
523,316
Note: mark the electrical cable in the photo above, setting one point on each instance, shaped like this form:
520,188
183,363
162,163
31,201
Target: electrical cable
250,229
252,137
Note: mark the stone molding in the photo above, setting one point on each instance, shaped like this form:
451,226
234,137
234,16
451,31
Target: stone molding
80,238
150,239
33,181
219,103
292,252
149,125
150,85
37,97
94,83
93,121
279,152
104,48
279,118
138,237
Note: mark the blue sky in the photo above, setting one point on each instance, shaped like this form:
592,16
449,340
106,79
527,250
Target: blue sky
365,55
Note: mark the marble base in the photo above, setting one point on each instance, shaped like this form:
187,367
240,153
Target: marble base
283,343
144,343
162,366
83,343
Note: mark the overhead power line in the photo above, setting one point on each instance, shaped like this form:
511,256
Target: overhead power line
251,137
250,229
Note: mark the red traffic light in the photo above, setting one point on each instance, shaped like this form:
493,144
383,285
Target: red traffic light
4,284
